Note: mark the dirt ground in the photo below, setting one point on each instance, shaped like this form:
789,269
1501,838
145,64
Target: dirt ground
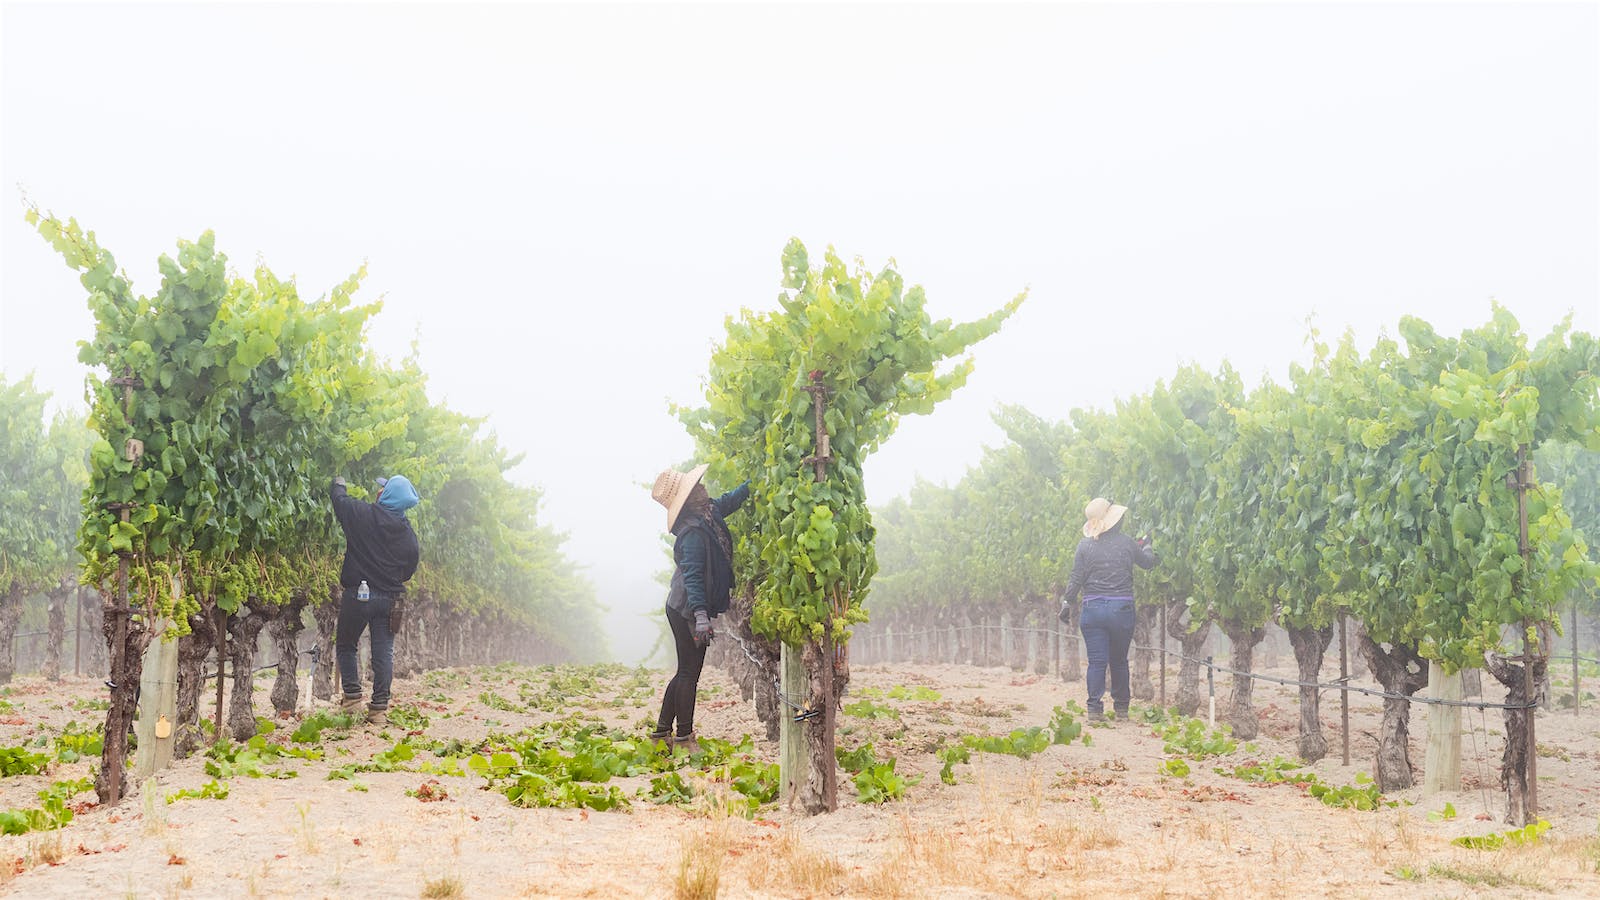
1075,820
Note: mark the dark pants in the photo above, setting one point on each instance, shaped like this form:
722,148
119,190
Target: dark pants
1107,627
355,617
677,703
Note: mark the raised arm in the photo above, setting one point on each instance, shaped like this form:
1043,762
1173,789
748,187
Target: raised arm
343,504
733,499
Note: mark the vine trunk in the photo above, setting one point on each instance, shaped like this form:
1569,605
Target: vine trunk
1310,644
1241,708
1401,670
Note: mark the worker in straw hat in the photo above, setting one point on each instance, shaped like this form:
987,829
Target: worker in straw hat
702,581
1102,570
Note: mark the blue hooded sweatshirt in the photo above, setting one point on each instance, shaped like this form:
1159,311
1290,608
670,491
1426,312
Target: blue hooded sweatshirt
398,495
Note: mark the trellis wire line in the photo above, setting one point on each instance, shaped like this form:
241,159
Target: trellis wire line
1338,685
777,685
1344,685
1587,659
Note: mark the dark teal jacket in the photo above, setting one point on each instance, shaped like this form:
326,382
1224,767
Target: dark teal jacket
703,578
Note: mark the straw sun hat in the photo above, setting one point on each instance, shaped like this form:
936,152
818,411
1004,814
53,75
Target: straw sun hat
1101,514
672,489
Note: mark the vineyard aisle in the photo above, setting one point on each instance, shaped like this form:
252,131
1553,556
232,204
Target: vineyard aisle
404,813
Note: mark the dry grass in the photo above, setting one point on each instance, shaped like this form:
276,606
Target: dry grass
306,834
789,864
48,851
445,887
699,875
155,809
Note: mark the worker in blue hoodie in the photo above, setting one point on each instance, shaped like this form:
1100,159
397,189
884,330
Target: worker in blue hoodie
380,555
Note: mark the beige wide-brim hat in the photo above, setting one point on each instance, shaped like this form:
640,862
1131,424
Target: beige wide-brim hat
673,487
1101,514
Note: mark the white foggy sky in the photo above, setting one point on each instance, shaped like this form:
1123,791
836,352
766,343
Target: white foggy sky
564,202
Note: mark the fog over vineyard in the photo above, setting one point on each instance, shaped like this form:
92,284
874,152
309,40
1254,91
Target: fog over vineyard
560,205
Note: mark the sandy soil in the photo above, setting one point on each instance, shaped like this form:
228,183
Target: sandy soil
1074,820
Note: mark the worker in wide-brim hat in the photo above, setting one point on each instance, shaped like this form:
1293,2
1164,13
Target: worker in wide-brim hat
702,584
1102,570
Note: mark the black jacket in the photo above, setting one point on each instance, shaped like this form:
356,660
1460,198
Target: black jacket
1103,566
379,546
703,579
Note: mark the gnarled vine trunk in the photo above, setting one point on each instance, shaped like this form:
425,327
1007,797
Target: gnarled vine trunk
10,615
194,649
1401,670
1241,707
756,678
1192,642
91,605
324,674
1514,762
1144,624
57,627
1309,646
284,631
828,672
244,632
126,641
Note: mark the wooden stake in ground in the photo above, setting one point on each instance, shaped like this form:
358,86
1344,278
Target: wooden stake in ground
791,733
158,707
1441,767
1344,691
826,673
1524,482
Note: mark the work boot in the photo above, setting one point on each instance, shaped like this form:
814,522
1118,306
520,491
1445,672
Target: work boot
352,705
378,717
1096,716
689,742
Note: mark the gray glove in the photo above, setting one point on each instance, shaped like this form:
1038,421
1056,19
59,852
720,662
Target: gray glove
702,628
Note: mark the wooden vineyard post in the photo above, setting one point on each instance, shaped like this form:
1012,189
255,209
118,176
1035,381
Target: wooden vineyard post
158,691
1525,481
222,662
77,632
1162,641
807,746
1577,688
1344,685
1441,769
791,734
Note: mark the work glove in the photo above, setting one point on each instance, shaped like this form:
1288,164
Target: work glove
1066,612
1144,541
397,615
702,628
339,480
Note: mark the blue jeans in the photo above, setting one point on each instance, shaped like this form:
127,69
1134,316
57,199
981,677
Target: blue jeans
355,617
1107,627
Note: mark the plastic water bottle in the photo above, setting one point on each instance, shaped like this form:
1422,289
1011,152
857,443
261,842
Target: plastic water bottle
363,593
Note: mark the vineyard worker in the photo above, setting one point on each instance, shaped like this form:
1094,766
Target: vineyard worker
702,582
1102,570
380,550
